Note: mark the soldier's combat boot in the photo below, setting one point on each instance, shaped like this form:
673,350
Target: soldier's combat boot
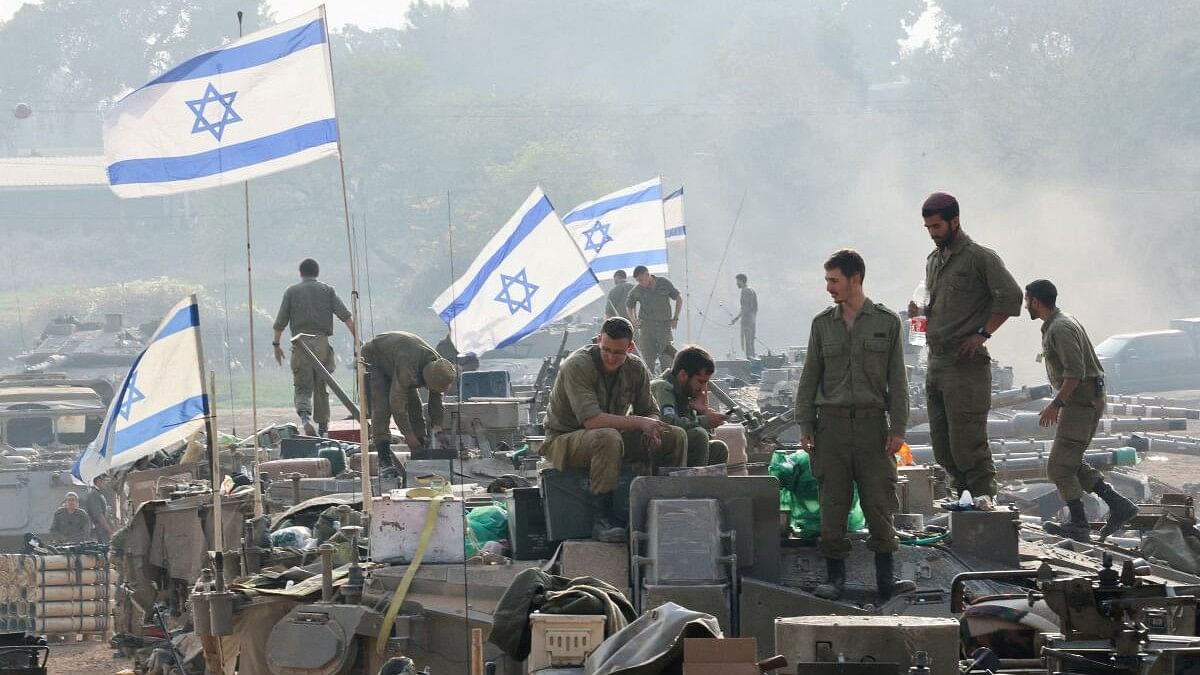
885,578
835,580
604,524
323,430
1120,509
1076,527
387,461
306,424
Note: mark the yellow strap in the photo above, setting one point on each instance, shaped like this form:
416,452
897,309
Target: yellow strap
389,619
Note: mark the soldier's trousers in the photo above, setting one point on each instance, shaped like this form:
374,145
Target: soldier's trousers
656,339
853,451
386,400
703,450
602,451
748,337
1076,425
959,392
311,396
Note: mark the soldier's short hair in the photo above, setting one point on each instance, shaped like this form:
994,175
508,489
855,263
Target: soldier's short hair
309,268
693,360
849,262
619,274
617,328
740,277
640,270
1044,291
940,204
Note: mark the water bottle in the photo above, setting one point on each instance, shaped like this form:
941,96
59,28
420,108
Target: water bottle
917,324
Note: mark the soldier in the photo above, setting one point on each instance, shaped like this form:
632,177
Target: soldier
654,319
1074,371
747,313
97,507
589,425
308,309
615,304
852,409
682,397
971,295
71,524
398,364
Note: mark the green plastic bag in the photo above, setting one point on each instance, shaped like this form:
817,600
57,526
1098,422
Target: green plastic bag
798,495
484,524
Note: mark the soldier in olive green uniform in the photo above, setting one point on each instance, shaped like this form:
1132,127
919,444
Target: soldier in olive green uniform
852,409
747,314
71,524
655,319
398,364
682,397
971,295
615,303
589,425
308,308
1074,371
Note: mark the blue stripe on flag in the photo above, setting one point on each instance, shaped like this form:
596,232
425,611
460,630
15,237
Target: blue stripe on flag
611,263
228,158
673,195
600,208
529,222
188,317
245,56
581,285
156,424
680,232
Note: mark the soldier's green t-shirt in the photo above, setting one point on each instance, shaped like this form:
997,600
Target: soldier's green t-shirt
655,302
967,284
309,307
615,305
583,390
1067,350
861,368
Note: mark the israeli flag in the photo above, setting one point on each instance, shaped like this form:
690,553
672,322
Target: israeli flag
673,216
259,105
529,274
161,401
622,230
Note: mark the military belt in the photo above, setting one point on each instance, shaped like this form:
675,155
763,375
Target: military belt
849,411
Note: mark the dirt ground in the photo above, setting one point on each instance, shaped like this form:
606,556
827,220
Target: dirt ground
85,658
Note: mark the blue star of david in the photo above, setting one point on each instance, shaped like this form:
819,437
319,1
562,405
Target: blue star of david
228,116
597,228
132,395
505,296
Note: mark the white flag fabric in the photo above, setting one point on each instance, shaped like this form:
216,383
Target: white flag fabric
161,401
529,274
622,230
259,105
673,216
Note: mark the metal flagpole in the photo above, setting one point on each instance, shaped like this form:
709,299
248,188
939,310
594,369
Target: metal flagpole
214,453
258,497
209,387
365,446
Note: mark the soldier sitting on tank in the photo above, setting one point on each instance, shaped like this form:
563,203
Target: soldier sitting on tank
601,414
71,524
682,396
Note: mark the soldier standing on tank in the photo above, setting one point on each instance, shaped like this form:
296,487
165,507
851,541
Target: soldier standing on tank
1075,373
971,295
654,319
852,409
